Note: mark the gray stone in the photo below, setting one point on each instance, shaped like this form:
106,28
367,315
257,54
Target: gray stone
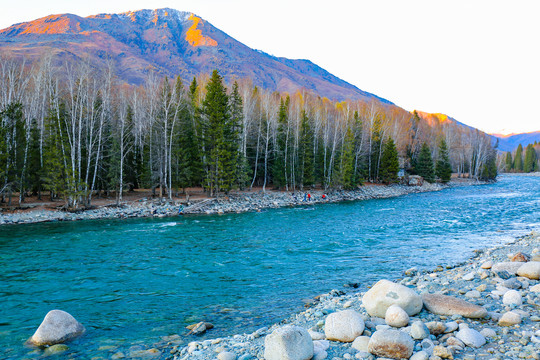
57,327
421,355
451,327
344,326
396,316
288,343
361,343
386,293
226,355
512,297
419,330
471,337
487,332
449,305
510,267
393,344
511,283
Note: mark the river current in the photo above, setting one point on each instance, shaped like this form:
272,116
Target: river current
130,282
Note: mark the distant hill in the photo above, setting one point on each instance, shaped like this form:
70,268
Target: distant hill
171,43
511,142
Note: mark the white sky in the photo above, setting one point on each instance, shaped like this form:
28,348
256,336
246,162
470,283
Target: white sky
475,60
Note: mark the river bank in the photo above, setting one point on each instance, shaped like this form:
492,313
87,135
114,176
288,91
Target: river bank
508,328
237,202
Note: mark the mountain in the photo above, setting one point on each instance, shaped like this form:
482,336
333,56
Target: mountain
511,142
171,43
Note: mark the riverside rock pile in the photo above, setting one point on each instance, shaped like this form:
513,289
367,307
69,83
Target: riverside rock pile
487,308
234,203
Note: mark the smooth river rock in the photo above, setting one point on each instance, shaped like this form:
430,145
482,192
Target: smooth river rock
449,305
510,318
396,316
57,327
530,270
419,330
512,297
471,337
386,293
510,267
393,344
288,343
344,326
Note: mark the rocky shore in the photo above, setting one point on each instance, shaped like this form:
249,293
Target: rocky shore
234,203
485,308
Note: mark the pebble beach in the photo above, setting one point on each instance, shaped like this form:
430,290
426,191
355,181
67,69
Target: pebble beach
485,308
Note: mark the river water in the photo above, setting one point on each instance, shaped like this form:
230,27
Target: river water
132,281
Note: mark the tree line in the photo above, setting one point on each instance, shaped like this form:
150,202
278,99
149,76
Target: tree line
73,132
523,164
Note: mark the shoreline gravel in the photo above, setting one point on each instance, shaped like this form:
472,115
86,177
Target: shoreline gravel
234,203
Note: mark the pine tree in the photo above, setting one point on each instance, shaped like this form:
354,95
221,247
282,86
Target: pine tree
237,169
530,162
305,153
425,164
216,127
279,169
518,159
443,169
347,161
389,162
509,161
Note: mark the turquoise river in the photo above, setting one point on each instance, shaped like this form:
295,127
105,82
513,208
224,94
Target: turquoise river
131,282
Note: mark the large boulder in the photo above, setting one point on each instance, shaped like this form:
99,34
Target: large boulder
530,270
56,328
288,343
386,293
393,344
448,305
344,326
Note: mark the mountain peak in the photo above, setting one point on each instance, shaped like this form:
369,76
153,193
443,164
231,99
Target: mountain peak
170,43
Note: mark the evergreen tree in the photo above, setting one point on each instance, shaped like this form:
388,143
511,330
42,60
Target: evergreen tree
530,162
443,169
238,167
347,161
389,162
217,130
279,170
305,153
425,164
518,159
509,163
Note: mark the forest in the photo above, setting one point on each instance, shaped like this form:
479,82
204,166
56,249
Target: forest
73,132
521,162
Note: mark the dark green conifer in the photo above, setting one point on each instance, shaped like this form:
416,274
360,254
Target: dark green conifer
443,169
518,159
509,163
389,162
425,164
